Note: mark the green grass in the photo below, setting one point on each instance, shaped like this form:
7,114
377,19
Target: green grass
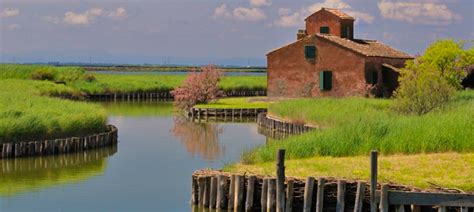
26,114
65,73
354,126
253,102
448,170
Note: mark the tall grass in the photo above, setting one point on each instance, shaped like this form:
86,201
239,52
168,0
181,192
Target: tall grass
26,115
66,73
354,126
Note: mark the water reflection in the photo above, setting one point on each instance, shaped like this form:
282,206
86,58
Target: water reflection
139,109
21,175
200,139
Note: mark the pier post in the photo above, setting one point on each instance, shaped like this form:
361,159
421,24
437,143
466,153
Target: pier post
280,187
373,180
308,194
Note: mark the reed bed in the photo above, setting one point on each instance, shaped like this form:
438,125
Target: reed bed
354,126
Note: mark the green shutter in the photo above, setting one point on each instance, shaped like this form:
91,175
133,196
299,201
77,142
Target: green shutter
310,52
324,30
325,80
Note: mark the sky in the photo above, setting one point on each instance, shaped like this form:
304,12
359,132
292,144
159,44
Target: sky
197,32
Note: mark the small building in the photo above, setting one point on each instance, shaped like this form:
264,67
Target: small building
326,60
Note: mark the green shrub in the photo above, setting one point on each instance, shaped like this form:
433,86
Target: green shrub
45,73
422,89
89,77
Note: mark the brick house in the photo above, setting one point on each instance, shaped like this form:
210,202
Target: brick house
326,60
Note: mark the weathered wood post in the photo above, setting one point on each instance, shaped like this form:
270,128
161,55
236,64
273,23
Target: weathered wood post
384,199
360,194
373,180
320,195
280,187
231,193
271,195
201,183
239,193
263,198
250,193
213,193
221,184
195,191
289,195
341,191
308,194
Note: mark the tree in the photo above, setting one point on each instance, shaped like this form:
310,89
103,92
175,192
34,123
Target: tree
199,87
422,89
450,59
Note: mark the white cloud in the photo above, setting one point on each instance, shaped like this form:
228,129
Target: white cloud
428,12
222,11
297,18
9,12
82,18
119,14
239,13
248,14
260,3
87,17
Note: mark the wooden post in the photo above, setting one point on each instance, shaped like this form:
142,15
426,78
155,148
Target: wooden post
250,193
231,193
213,193
384,199
201,182
341,191
373,180
308,194
280,173
271,195
320,195
360,195
239,193
263,198
194,191
289,196
400,208
442,209
207,187
221,184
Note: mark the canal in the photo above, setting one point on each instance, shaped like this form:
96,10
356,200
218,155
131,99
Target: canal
149,170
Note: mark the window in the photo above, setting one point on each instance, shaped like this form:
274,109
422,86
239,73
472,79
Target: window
310,52
324,30
325,80
346,32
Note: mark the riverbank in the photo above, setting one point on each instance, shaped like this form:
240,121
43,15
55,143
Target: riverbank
424,171
155,68
29,114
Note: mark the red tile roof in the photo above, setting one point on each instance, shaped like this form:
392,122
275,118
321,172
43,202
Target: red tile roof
338,13
369,48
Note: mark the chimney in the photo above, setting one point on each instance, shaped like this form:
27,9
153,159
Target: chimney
301,34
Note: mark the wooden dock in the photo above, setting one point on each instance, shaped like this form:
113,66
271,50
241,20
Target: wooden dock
226,113
220,190
59,146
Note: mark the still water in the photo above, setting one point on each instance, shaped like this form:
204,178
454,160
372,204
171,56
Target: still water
149,170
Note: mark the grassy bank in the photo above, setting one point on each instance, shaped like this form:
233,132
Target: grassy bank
252,102
448,170
354,126
157,68
27,114
81,81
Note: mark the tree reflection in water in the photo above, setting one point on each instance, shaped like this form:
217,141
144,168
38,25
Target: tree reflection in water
200,139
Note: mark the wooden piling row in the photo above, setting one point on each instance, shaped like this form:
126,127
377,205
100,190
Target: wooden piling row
270,124
59,146
161,95
232,113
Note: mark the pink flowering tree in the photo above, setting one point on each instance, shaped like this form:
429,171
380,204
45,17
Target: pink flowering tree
199,87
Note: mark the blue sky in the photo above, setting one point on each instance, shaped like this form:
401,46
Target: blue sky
204,31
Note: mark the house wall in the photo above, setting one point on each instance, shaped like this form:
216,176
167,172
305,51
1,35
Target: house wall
290,74
389,81
324,18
